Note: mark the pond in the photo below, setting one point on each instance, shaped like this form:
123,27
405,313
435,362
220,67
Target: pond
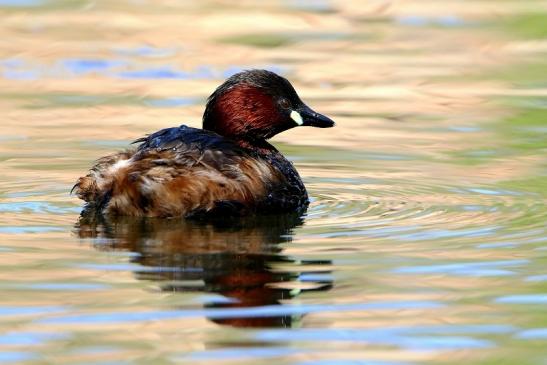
425,241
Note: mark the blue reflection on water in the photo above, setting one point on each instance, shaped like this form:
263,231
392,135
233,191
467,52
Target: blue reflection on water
165,72
147,51
168,72
170,102
14,356
421,21
17,69
11,62
523,299
29,229
310,5
28,338
26,75
21,69
415,338
21,3
434,234
537,278
497,245
486,191
80,66
464,268
236,353
26,311
315,277
216,313
35,207
24,194
464,129
63,286
533,334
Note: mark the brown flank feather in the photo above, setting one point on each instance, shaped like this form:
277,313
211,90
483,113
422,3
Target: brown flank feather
174,182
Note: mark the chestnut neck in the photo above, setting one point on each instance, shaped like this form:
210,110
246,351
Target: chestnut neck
245,114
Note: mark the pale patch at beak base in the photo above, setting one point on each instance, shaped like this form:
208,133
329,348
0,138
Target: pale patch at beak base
297,117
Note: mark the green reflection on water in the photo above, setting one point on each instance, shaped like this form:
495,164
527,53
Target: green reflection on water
527,25
259,40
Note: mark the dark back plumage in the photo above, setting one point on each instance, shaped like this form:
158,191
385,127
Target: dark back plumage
190,172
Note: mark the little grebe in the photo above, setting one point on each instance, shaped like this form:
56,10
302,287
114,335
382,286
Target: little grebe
225,169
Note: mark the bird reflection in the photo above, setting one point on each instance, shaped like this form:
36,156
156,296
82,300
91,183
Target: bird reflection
240,259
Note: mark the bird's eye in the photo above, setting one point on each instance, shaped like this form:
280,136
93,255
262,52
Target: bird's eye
284,103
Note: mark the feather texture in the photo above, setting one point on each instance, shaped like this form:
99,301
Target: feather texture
189,172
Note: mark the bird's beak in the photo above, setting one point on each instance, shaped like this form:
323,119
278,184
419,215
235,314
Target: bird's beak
305,116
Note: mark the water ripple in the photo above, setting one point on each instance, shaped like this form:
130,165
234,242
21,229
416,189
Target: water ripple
400,337
263,311
7,311
465,268
413,213
523,299
533,334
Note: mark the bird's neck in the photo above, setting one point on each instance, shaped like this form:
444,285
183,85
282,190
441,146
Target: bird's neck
260,146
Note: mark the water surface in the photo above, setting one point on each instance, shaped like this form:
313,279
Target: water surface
425,242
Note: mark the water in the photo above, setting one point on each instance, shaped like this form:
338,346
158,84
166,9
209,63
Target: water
425,242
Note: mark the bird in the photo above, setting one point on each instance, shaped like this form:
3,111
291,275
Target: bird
226,169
